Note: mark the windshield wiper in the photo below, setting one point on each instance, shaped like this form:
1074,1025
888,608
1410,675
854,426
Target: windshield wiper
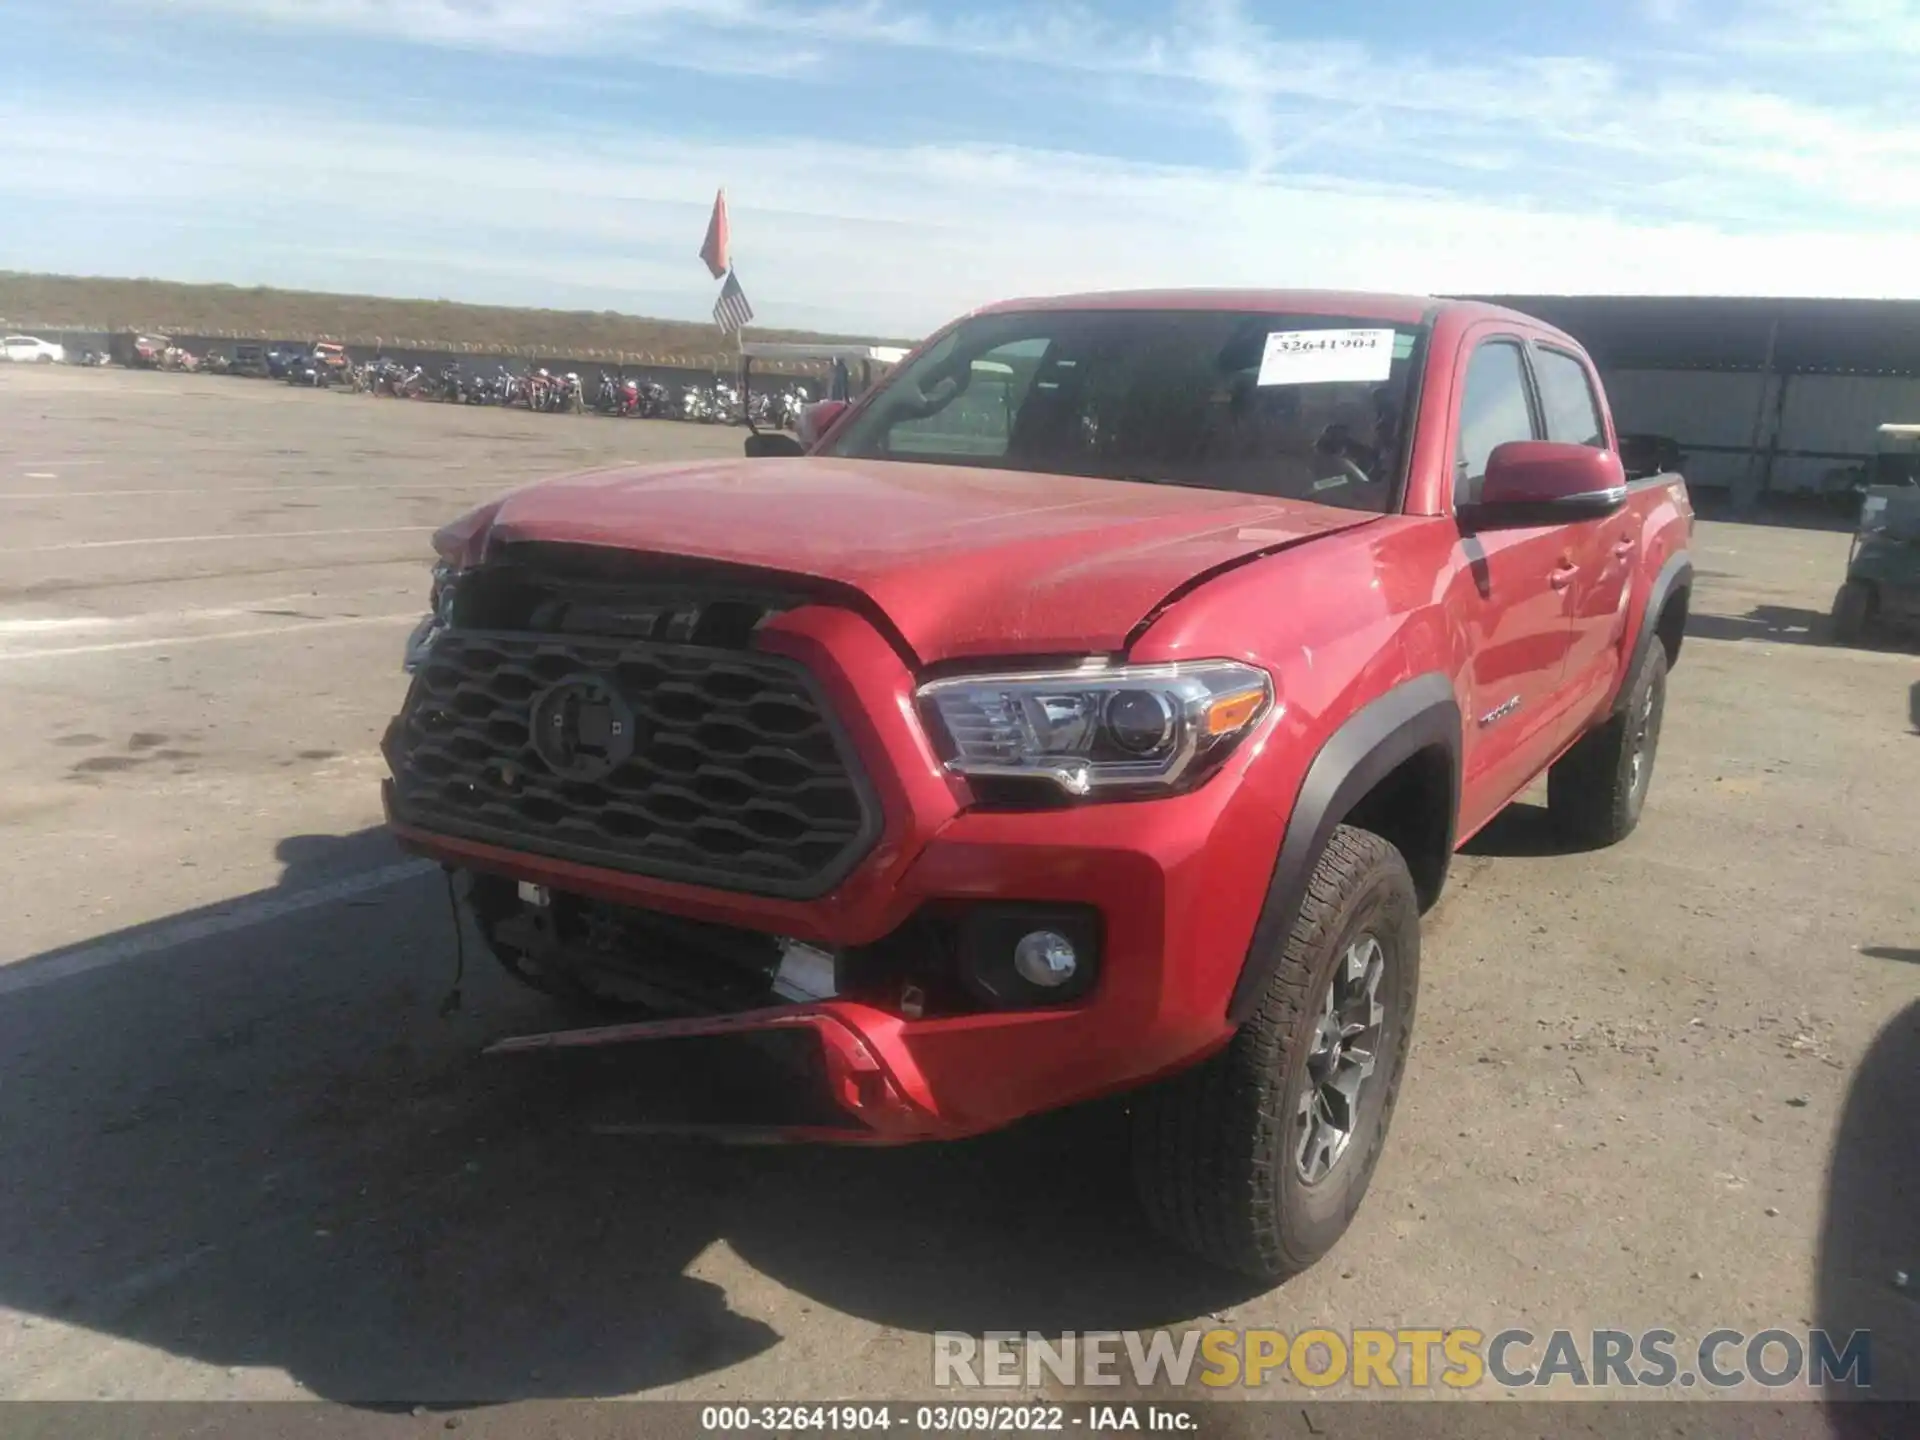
1154,480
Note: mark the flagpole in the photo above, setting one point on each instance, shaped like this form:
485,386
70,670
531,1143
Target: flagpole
739,361
717,253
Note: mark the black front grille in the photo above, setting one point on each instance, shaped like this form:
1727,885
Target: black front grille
738,775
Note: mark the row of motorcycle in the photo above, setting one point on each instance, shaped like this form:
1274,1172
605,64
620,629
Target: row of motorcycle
615,393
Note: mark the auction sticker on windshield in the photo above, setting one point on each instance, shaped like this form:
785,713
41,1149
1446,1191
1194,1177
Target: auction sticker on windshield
1326,357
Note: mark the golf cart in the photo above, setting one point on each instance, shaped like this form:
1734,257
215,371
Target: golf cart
1896,458
1883,562
1895,462
852,370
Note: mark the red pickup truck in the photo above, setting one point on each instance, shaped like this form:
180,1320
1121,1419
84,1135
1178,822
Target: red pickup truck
1091,709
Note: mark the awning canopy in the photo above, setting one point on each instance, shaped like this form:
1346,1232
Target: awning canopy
1686,332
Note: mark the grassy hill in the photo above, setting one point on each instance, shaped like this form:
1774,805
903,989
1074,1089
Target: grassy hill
257,312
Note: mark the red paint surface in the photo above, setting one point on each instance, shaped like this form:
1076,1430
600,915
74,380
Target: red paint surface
1338,605
962,561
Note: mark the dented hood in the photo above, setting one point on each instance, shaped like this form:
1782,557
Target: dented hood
962,561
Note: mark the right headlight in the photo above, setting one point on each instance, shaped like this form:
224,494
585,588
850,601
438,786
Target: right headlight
438,617
1101,730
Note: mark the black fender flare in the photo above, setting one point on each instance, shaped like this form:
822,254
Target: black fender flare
1416,715
1676,574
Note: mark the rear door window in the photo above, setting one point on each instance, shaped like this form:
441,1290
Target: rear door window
1567,400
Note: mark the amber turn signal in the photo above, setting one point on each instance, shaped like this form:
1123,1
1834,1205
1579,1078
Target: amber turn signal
1228,713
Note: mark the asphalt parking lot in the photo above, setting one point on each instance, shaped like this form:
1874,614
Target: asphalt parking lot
243,1154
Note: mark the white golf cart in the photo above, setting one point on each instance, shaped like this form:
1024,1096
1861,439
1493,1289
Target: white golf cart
1896,457
1894,464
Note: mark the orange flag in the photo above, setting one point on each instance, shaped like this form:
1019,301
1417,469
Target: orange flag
714,249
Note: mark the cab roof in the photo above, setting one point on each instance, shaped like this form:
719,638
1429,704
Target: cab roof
1357,304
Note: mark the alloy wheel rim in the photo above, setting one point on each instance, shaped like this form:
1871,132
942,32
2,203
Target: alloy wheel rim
1642,736
1344,1056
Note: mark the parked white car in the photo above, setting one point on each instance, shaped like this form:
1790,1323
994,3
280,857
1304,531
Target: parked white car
27,348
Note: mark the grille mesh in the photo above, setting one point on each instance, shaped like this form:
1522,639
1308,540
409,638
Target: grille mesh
738,776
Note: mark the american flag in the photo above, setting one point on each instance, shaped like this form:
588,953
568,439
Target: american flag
731,311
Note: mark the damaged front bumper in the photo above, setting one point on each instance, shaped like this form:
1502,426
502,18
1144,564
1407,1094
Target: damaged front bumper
1174,923
1176,884
866,1074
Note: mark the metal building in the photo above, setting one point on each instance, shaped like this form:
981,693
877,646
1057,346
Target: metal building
1764,396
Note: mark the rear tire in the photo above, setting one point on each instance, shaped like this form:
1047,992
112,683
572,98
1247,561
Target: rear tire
1852,609
1244,1160
1596,791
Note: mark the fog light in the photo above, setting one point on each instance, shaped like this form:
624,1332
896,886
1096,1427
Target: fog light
1017,954
1045,958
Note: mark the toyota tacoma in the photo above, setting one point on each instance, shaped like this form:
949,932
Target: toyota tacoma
1091,709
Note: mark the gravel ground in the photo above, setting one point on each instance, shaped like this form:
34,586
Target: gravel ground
1671,1084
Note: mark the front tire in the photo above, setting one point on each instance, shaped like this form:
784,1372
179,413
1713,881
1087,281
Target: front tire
1258,1158
1596,791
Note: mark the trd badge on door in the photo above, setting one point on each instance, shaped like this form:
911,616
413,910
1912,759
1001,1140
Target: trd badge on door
1499,712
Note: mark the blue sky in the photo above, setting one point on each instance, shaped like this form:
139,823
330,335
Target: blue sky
892,162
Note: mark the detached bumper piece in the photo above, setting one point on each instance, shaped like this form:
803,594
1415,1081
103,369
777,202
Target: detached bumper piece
752,1036
845,1093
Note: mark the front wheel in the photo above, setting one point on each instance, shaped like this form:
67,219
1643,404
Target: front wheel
1258,1158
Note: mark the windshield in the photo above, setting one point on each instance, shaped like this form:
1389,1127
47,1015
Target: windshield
1898,463
1303,406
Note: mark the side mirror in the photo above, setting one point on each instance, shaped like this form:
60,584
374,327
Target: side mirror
765,443
1542,482
818,418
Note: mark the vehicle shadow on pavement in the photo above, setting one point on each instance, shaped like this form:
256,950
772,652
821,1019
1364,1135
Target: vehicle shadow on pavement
264,1146
1787,625
1712,503
1906,954
1780,624
1522,831
1869,1266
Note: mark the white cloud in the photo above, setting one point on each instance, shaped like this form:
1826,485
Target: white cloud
580,26
1883,30
1227,57
1715,171
1716,129
845,236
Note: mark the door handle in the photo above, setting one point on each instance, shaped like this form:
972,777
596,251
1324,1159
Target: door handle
1563,576
1623,548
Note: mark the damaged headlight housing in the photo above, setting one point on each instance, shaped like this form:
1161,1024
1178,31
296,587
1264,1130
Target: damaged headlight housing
438,617
1099,731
